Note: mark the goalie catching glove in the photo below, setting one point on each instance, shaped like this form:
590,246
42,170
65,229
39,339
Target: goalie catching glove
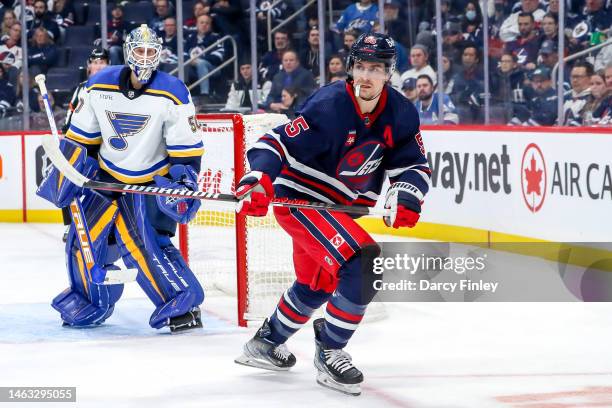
404,201
181,210
255,191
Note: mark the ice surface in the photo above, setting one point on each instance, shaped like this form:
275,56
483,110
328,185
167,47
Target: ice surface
527,355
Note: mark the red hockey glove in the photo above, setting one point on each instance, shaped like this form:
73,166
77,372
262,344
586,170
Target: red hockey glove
255,191
404,204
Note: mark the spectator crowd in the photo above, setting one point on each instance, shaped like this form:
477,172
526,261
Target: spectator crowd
522,53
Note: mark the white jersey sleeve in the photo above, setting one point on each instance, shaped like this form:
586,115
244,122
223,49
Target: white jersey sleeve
84,126
182,134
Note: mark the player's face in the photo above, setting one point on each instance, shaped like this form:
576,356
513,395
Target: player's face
96,66
145,55
371,76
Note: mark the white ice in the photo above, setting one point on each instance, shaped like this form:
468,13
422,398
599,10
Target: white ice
525,355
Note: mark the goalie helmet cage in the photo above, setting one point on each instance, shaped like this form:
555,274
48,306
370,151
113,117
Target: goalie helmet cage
247,257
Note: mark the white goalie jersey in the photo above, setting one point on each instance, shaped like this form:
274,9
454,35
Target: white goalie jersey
138,131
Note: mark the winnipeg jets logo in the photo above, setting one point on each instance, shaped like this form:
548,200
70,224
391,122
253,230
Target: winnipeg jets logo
368,165
370,40
125,125
358,167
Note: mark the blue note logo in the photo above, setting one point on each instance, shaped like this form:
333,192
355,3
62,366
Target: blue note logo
125,125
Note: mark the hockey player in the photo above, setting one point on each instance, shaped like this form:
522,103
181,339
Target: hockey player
140,125
347,136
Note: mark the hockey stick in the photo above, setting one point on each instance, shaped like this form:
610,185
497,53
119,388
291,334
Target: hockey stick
51,146
95,273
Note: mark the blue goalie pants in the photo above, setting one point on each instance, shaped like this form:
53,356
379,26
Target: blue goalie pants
133,228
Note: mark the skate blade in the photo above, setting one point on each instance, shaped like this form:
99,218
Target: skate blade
328,382
257,363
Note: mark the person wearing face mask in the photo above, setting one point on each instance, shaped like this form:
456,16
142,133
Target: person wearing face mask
472,22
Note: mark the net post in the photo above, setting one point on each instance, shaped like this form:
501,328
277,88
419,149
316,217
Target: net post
241,227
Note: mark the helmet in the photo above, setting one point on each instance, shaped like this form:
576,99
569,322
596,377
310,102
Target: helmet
98,53
373,47
142,64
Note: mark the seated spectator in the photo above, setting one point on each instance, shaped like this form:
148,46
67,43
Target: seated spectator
359,16
595,18
12,44
42,18
510,29
278,10
608,75
270,63
541,107
469,86
427,104
200,7
8,62
471,23
227,15
116,30
348,39
453,41
168,58
419,59
525,46
549,56
550,28
204,63
598,112
290,101
395,21
43,53
580,94
448,69
240,97
409,90
7,22
7,95
309,56
162,10
293,75
508,81
64,14
335,66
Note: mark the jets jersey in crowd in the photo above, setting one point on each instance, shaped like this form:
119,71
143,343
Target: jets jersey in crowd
139,133
333,153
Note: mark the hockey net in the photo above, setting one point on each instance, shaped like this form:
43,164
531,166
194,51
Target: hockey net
246,257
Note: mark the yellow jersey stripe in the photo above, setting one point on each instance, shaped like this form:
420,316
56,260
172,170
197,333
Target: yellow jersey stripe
84,140
130,180
103,86
164,93
135,252
187,153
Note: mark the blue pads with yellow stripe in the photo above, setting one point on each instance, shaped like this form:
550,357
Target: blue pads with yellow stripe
181,210
58,189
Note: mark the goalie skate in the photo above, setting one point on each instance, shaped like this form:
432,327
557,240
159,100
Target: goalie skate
335,368
260,352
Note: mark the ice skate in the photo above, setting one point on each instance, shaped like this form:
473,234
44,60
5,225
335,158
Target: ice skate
260,352
335,369
188,321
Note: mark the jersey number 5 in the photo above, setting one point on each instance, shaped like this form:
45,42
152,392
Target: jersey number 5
294,128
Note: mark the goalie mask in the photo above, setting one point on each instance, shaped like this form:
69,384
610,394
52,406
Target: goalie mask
373,47
142,51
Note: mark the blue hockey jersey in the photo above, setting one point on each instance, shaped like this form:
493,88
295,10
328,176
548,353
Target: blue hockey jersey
333,153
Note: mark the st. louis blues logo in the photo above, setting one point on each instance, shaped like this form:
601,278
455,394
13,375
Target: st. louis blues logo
125,124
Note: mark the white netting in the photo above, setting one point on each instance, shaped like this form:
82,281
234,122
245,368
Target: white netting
212,234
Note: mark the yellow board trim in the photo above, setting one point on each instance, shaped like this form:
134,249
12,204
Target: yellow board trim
11,215
164,93
136,253
130,180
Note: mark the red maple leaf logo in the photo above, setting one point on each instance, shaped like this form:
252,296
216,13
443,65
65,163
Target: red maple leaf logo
534,177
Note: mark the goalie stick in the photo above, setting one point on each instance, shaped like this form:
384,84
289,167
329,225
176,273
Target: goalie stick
51,146
94,272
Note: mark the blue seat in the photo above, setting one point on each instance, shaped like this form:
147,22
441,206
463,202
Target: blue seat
63,81
78,56
140,12
80,35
